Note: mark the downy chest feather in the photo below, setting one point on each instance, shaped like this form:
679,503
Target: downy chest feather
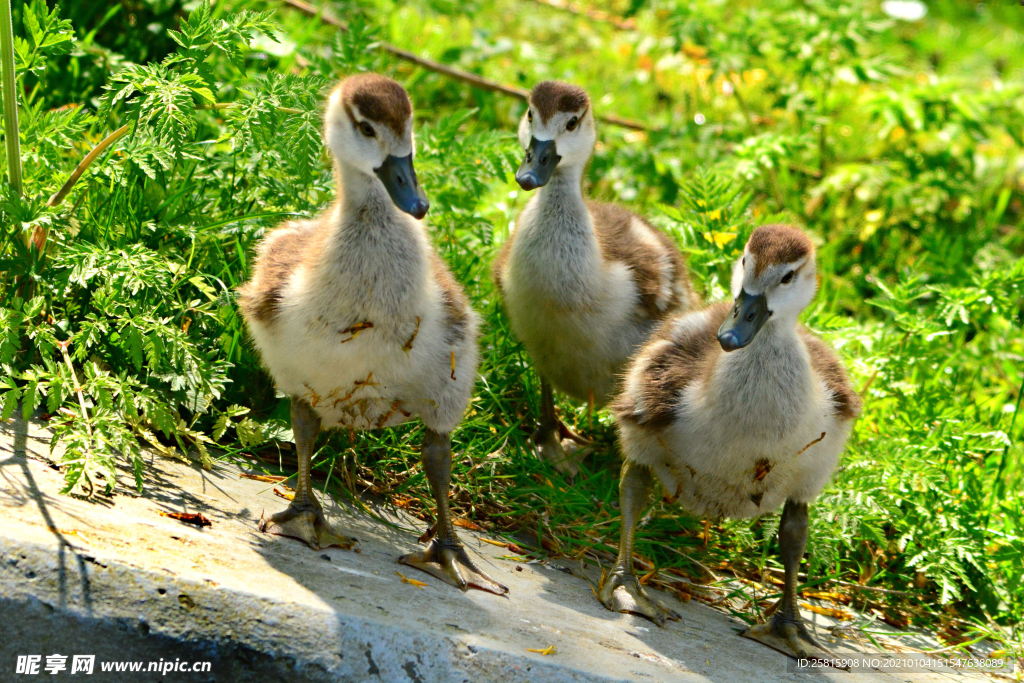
764,391
372,275
555,259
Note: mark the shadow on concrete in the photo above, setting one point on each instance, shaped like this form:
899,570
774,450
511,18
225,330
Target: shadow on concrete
331,614
365,585
548,602
32,494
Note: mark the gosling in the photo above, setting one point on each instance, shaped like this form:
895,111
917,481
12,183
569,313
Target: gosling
357,318
737,410
584,283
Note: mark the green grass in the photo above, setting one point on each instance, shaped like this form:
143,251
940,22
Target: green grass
897,145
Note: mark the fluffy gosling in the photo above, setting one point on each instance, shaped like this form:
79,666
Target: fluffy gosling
737,410
359,321
584,283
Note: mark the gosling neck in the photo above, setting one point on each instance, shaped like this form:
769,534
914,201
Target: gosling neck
558,251
362,199
563,197
777,332
375,257
763,388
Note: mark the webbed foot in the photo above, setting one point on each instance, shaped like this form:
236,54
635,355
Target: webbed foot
451,563
562,447
622,592
789,637
566,433
306,524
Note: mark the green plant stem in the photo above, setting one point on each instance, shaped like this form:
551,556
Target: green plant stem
743,105
773,179
10,96
1006,452
81,403
106,142
228,105
8,82
626,24
60,194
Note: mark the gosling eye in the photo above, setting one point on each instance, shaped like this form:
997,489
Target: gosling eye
572,123
787,278
529,115
367,130
743,261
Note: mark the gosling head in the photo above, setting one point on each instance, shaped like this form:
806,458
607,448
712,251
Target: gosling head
369,128
774,281
557,130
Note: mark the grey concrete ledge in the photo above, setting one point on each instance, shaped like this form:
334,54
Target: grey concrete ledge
117,579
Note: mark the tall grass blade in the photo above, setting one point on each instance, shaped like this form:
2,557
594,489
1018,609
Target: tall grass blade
10,96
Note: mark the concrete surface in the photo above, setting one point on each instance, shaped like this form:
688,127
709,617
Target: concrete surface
115,578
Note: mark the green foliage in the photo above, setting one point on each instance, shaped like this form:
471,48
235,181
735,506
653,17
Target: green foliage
46,35
897,145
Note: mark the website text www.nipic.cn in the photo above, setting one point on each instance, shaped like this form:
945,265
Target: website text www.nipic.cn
86,664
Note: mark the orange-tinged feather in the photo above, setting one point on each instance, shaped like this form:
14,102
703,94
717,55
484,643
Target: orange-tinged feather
414,582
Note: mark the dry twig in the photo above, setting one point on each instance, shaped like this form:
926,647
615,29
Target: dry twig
458,74
590,13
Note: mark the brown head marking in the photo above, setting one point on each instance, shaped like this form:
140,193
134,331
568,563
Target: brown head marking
378,99
552,97
775,244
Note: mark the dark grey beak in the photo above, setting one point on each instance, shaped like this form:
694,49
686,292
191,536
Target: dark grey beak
538,165
399,177
748,315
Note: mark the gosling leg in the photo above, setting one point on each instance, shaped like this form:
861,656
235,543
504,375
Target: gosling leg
555,442
622,591
786,630
445,557
304,518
